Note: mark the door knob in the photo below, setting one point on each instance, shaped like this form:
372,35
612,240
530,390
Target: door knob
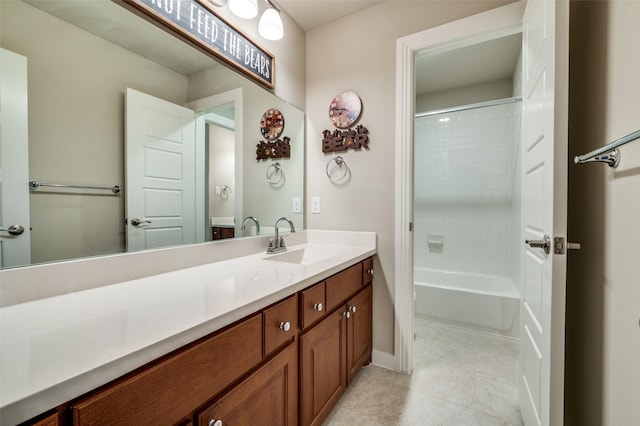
544,244
14,229
136,222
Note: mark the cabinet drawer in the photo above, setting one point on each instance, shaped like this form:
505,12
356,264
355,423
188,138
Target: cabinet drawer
313,304
280,324
164,392
343,285
367,271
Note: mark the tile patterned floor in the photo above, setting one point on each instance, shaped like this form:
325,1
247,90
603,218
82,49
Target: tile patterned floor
461,377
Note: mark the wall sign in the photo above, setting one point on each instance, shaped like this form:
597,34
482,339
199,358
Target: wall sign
344,112
197,23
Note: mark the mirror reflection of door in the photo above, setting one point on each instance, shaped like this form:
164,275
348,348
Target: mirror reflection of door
221,191
15,250
161,195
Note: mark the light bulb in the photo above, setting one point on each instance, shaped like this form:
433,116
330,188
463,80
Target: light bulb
270,25
246,9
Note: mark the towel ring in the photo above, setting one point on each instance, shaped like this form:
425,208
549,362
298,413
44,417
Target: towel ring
339,163
275,175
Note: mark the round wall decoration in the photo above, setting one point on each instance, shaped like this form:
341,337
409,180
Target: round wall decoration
345,109
272,124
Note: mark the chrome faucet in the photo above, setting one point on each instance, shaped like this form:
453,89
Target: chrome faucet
247,219
277,244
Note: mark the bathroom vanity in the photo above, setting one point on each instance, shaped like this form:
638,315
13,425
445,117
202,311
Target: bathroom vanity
254,339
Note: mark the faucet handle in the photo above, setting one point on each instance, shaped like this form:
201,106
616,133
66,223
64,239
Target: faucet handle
282,242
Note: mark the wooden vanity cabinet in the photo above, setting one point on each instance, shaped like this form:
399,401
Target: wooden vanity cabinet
222,232
267,397
332,352
288,364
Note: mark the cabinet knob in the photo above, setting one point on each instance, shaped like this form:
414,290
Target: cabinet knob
370,271
347,314
318,307
214,422
286,326
352,309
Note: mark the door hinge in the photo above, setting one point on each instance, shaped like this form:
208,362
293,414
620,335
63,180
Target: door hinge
410,226
559,245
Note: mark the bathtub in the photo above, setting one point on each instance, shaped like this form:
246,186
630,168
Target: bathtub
485,302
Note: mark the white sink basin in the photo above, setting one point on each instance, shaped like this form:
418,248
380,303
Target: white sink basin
303,256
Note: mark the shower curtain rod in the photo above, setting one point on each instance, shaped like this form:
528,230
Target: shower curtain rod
469,106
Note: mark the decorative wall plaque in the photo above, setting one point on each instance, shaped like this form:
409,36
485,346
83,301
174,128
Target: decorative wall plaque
344,111
273,149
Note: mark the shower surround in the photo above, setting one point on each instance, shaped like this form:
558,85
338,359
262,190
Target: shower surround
467,193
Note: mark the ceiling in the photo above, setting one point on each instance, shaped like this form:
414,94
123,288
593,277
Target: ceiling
485,62
313,13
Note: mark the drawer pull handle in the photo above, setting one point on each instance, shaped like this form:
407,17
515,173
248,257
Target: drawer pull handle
352,309
347,314
318,307
286,326
214,422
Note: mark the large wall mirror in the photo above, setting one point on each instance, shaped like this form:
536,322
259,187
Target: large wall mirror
113,100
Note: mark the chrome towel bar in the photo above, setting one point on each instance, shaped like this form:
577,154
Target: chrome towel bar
609,154
34,184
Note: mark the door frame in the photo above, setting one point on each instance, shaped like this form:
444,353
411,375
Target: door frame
201,107
464,32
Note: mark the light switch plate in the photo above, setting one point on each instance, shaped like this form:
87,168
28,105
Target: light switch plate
315,205
296,205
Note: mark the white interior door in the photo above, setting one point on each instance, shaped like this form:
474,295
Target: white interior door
544,213
161,196
15,247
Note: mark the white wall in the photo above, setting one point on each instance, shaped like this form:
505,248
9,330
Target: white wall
221,171
603,288
465,95
621,220
465,177
357,52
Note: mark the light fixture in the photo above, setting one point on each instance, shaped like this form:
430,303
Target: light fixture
246,9
270,25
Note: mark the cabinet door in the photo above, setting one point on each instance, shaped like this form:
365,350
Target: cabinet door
359,332
322,367
267,397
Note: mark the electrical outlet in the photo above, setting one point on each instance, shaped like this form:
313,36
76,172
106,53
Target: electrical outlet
296,205
315,205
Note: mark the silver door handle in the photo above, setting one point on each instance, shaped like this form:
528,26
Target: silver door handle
544,244
14,229
136,222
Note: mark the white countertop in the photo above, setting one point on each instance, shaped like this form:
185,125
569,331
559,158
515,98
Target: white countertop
57,348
